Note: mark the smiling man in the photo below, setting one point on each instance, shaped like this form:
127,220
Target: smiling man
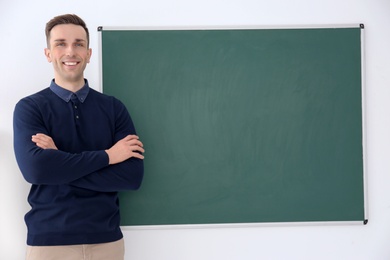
69,53
78,148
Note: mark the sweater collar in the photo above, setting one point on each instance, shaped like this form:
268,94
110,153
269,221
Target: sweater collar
66,95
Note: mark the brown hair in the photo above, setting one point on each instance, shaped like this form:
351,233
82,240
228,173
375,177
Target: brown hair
65,19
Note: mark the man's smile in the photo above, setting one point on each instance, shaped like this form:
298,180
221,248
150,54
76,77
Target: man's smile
70,63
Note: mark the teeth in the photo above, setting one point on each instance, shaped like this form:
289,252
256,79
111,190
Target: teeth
70,63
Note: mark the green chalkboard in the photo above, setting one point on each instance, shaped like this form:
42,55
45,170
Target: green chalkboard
242,125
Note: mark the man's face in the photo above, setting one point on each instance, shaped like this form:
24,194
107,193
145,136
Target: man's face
69,53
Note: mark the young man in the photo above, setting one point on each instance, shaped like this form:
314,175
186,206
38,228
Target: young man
78,148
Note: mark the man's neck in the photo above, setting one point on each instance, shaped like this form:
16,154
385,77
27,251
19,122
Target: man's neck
71,86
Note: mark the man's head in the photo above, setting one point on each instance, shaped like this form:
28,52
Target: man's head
68,50
65,19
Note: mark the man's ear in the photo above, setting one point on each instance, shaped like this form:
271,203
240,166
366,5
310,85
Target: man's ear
89,54
47,54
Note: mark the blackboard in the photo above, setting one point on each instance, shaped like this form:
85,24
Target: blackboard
242,125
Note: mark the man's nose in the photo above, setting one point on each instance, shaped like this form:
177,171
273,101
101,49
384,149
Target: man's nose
70,51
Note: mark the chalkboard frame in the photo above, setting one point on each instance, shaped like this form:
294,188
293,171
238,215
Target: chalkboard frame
101,29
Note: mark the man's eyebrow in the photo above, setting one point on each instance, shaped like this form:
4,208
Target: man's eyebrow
63,40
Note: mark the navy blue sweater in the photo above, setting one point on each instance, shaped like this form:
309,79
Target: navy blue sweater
73,196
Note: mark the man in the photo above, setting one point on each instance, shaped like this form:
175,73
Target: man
78,148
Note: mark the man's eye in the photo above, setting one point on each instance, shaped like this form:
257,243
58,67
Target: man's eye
60,44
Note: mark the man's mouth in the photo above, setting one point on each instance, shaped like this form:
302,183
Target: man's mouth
70,63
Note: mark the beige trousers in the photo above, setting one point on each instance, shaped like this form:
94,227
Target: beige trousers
105,251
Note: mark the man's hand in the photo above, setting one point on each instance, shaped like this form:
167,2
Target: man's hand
44,141
128,147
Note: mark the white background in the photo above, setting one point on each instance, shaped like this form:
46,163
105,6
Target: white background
24,70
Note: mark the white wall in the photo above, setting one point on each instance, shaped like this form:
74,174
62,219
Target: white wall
24,70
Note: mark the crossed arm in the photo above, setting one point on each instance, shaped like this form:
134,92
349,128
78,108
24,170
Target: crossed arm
124,173
126,148
117,168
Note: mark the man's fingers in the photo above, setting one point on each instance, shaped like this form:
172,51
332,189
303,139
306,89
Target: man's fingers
138,155
130,137
137,148
132,140
43,141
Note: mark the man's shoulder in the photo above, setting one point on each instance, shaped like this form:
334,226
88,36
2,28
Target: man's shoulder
37,97
39,101
41,94
102,97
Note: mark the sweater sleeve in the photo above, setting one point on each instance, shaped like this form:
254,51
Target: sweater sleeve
127,175
124,176
48,166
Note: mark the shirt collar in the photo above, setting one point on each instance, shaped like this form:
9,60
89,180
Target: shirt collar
66,94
